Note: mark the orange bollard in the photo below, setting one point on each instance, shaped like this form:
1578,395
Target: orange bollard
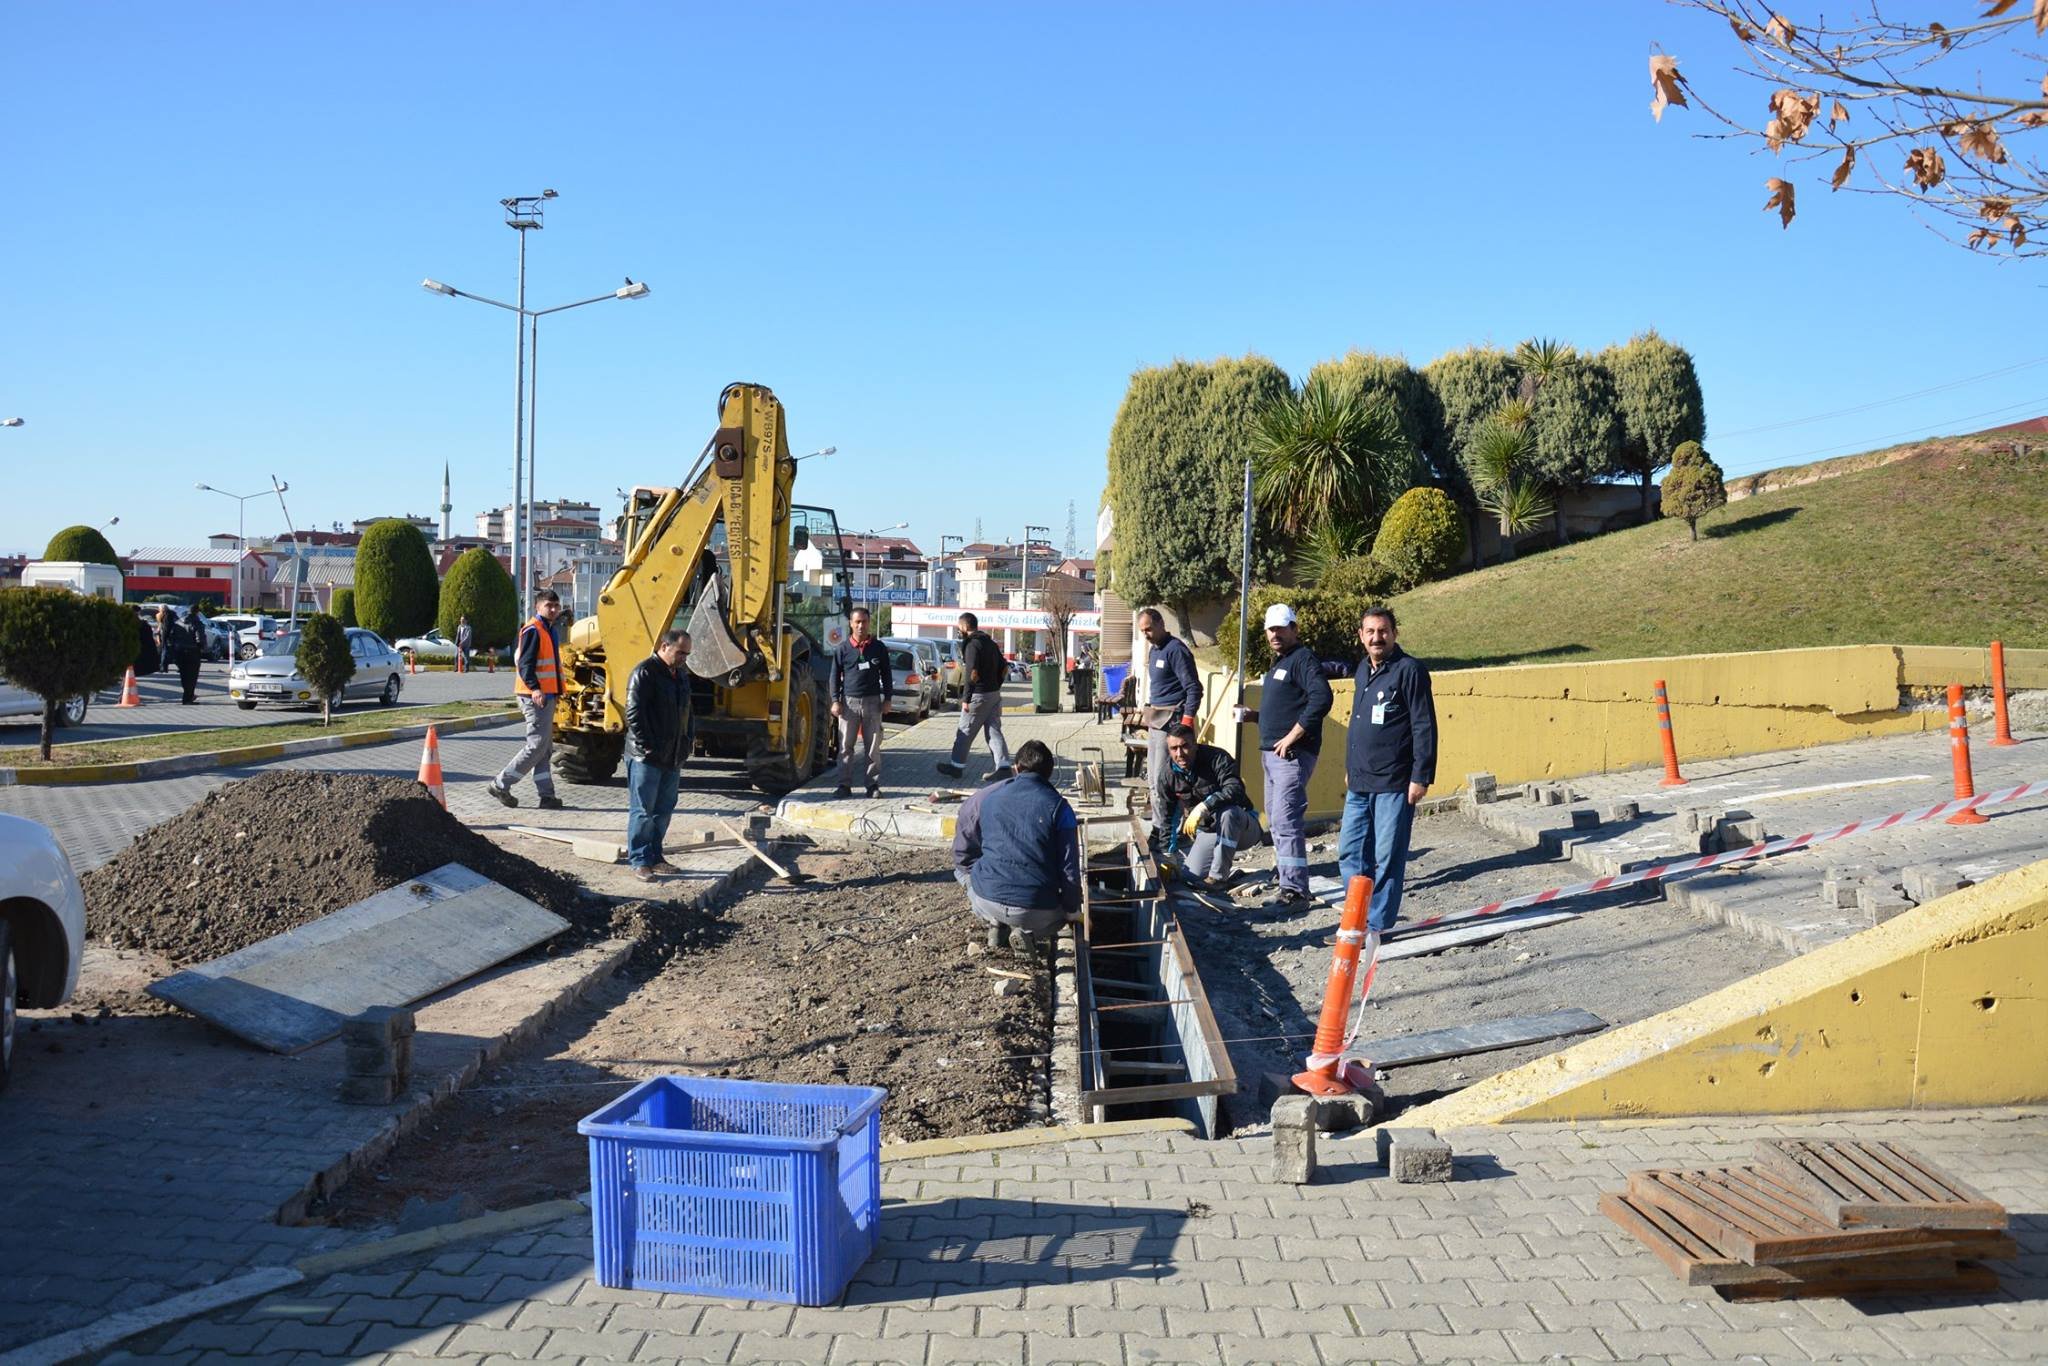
131,696
490,661
2003,732
1671,778
1322,1077
1959,756
430,768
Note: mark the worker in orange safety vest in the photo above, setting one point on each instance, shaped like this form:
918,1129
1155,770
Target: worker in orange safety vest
537,683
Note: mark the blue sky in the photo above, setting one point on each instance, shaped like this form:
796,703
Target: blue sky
944,234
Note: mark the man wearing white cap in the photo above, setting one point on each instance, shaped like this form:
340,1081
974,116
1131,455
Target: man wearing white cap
1293,700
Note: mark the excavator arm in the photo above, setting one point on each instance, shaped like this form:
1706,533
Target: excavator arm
673,578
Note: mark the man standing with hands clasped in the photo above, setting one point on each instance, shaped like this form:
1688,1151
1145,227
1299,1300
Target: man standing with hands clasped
658,742
1173,696
1294,697
1389,763
862,688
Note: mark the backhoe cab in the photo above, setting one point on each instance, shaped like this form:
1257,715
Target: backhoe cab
727,558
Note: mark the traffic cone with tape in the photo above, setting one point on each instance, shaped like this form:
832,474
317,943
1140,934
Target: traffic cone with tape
131,696
1959,757
430,768
1671,776
1327,1074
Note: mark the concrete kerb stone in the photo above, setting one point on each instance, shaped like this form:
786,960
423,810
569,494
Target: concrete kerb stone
98,1336
1028,1138
176,764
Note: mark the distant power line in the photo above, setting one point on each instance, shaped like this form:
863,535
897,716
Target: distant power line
1883,402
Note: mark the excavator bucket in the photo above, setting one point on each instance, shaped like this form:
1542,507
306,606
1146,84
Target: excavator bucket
714,654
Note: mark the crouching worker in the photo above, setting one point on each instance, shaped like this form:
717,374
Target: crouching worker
1016,850
1209,807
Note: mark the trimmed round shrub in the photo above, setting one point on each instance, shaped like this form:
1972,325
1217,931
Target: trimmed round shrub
59,645
1326,612
478,586
81,544
323,657
397,590
344,605
1694,487
1422,538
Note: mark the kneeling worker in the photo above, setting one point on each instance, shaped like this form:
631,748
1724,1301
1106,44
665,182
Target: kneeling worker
1207,802
1016,849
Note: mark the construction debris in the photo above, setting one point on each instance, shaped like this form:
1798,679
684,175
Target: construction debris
1414,1155
1294,1140
1817,1218
376,1055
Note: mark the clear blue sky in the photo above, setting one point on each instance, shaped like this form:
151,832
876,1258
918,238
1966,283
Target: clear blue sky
944,234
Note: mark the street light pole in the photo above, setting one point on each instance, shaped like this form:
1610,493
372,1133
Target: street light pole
241,526
932,590
1028,529
866,543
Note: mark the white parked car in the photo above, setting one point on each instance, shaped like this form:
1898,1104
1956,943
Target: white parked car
427,645
251,631
42,927
17,703
915,667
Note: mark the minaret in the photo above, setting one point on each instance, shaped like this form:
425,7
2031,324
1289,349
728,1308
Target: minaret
447,504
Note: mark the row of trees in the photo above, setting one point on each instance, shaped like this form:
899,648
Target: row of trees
1483,432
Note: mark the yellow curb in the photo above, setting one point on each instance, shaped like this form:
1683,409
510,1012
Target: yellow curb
818,817
428,1239
200,760
1031,1138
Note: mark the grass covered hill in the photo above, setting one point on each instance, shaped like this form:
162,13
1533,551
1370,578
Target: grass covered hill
1947,546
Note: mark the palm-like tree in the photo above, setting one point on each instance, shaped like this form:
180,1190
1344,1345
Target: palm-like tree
1497,456
1324,456
1327,545
1538,359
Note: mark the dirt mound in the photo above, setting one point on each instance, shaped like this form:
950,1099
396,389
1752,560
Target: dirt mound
270,853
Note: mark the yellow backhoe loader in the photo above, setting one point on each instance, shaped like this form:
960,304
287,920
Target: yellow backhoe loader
728,558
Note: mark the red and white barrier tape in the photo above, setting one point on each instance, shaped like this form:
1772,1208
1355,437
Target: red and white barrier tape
1766,849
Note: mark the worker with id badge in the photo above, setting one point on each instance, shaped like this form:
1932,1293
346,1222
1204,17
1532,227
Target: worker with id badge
1389,764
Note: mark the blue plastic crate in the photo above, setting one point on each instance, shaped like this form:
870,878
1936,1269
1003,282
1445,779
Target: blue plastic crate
735,1188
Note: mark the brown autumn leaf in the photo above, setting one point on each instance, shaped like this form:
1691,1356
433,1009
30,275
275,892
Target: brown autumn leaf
1780,32
1848,165
1838,114
1977,140
1664,85
1994,207
1941,31
1926,167
1981,237
2034,118
1743,32
1781,200
1998,7
2017,229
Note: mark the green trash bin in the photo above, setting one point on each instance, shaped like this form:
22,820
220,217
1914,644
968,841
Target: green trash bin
1045,687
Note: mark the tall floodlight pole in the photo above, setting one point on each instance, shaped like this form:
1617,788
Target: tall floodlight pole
298,550
241,529
1028,529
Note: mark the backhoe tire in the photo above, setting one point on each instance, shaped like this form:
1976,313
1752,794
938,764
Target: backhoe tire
777,773
589,758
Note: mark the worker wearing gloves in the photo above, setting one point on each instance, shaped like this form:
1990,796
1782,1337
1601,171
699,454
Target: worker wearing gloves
1294,697
862,688
1173,696
1016,849
1211,812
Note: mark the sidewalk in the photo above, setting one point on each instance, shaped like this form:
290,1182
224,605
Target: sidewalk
1164,1248
1793,792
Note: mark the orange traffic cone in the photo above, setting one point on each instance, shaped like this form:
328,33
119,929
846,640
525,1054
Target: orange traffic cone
131,696
430,767
1326,1074
490,661
1959,758
1671,775
412,661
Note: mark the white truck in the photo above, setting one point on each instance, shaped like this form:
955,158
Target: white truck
93,580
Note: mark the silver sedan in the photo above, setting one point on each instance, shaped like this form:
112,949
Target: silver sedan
273,676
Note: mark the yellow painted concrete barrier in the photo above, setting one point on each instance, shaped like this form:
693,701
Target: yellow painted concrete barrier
1942,1006
1549,721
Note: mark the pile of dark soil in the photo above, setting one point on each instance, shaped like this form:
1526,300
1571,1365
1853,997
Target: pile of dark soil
273,852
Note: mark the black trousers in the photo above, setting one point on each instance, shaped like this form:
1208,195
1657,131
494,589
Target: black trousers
188,673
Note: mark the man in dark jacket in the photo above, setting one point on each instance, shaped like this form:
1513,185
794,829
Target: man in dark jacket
658,726
862,688
1208,811
1017,852
1389,763
981,700
1173,696
181,651
1294,697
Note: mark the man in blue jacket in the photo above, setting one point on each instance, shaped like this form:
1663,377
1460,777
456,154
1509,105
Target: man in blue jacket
862,688
659,731
1173,696
1294,699
1389,764
1016,849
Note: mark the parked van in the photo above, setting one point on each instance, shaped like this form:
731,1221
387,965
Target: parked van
93,580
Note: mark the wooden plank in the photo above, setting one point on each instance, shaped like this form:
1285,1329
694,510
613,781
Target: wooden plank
1967,1279
1696,1262
293,990
1755,1218
1436,1044
1477,933
1877,1185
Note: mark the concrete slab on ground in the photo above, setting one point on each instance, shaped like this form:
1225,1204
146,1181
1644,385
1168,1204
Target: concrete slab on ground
1792,792
1162,1247
904,809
